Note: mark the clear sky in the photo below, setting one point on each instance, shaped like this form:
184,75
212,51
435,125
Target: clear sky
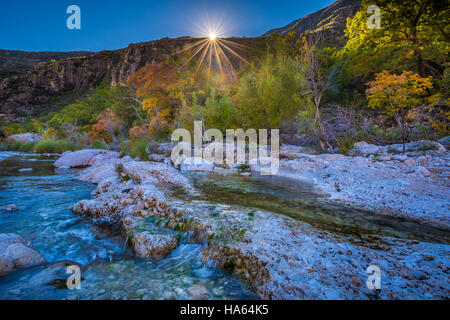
40,25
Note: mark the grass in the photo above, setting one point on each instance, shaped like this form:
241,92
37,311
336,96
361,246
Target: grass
136,148
54,146
243,168
345,144
428,147
44,146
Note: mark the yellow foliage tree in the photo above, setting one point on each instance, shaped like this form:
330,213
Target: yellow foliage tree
397,95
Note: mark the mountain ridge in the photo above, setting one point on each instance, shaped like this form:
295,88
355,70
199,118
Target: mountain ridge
332,19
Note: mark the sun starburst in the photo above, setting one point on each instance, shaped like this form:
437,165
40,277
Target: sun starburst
212,51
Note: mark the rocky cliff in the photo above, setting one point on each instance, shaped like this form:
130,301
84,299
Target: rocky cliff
332,19
14,62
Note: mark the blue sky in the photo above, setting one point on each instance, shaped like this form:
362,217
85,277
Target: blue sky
40,25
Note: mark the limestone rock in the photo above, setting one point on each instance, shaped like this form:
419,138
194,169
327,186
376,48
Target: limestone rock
363,149
147,245
84,158
25,137
17,253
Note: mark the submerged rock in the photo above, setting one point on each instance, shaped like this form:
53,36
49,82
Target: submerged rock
9,208
152,246
17,253
84,158
198,292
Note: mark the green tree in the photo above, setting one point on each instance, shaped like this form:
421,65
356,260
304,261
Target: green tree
413,35
273,93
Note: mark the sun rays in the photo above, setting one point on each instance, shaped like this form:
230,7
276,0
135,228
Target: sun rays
213,52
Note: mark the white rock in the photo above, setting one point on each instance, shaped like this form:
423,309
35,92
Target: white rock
423,172
153,246
363,149
17,253
84,158
25,137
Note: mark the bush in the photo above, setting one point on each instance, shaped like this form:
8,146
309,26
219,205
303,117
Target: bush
345,144
20,146
54,146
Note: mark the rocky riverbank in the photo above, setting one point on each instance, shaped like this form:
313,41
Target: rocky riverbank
412,185
277,256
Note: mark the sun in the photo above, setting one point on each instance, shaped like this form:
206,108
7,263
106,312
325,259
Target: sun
212,36
214,50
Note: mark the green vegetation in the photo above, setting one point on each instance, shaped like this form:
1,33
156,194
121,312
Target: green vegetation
44,146
54,146
135,148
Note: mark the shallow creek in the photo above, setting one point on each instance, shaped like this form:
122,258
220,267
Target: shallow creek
45,218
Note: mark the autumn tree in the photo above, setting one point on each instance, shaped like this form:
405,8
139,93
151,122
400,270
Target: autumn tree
109,127
154,83
397,95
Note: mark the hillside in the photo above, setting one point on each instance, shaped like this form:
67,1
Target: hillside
332,19
50,85
15,62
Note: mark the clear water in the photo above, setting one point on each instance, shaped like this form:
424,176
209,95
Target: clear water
45,218
299,201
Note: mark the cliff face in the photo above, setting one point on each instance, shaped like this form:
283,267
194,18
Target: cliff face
332,19
28,93
14,62
31,93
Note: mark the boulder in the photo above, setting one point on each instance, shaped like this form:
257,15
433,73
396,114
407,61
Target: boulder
25,137
363,149
102,157
422,171
445,141
84,158
196,164
156,157
152,246
17,253
414,146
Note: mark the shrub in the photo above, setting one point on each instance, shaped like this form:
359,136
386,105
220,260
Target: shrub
345,144
20,146
54,146
136,148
